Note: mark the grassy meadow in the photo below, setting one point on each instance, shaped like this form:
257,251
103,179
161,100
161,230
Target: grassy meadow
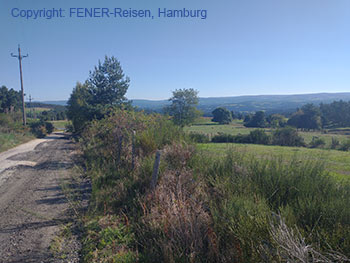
60,125
337,163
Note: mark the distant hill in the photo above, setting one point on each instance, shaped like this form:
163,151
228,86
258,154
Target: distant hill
47,105
268,103
56,102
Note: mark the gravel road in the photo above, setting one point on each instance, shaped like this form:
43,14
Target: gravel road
33,206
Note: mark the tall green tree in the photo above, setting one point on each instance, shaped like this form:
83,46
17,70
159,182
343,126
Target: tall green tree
308,117
79,111
107,83
183,106
222,115
104,90
257,120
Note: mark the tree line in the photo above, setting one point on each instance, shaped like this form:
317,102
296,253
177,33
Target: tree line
308,117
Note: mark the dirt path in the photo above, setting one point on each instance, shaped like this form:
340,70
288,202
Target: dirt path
33,205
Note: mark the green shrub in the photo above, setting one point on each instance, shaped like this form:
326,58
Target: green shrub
259,136
41,129
49,127
345,146
223,138
317,142
287,137
38,129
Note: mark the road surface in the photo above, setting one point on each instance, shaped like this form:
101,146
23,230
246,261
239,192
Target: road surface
33,206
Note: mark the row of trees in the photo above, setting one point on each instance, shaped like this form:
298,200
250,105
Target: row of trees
308,117
52,115
335,114
10,100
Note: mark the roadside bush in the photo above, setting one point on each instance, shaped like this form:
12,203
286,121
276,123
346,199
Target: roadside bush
41,129
49,127
38,129
175,225
112,161
287,137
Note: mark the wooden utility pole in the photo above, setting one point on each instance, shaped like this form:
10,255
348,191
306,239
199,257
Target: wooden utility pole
20,57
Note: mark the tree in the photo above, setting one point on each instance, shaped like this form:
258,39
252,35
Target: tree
258,120
104,90
107,84
222,116
182,107
277,120
308,117
78,108
10,100
335,114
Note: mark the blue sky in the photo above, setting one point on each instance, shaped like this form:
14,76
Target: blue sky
244,47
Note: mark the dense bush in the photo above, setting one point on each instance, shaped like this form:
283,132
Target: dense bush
287,137
257,136
317,142
222,137
40,129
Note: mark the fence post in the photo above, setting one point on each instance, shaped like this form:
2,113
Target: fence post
133,150
155,170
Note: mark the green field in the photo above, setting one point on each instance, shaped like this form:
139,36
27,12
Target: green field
60,125
205,126
336,162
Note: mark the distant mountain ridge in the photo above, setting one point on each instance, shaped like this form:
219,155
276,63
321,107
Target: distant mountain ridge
251,103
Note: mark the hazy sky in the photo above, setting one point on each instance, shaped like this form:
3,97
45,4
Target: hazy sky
243,47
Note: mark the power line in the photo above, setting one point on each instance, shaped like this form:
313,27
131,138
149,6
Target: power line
20,57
